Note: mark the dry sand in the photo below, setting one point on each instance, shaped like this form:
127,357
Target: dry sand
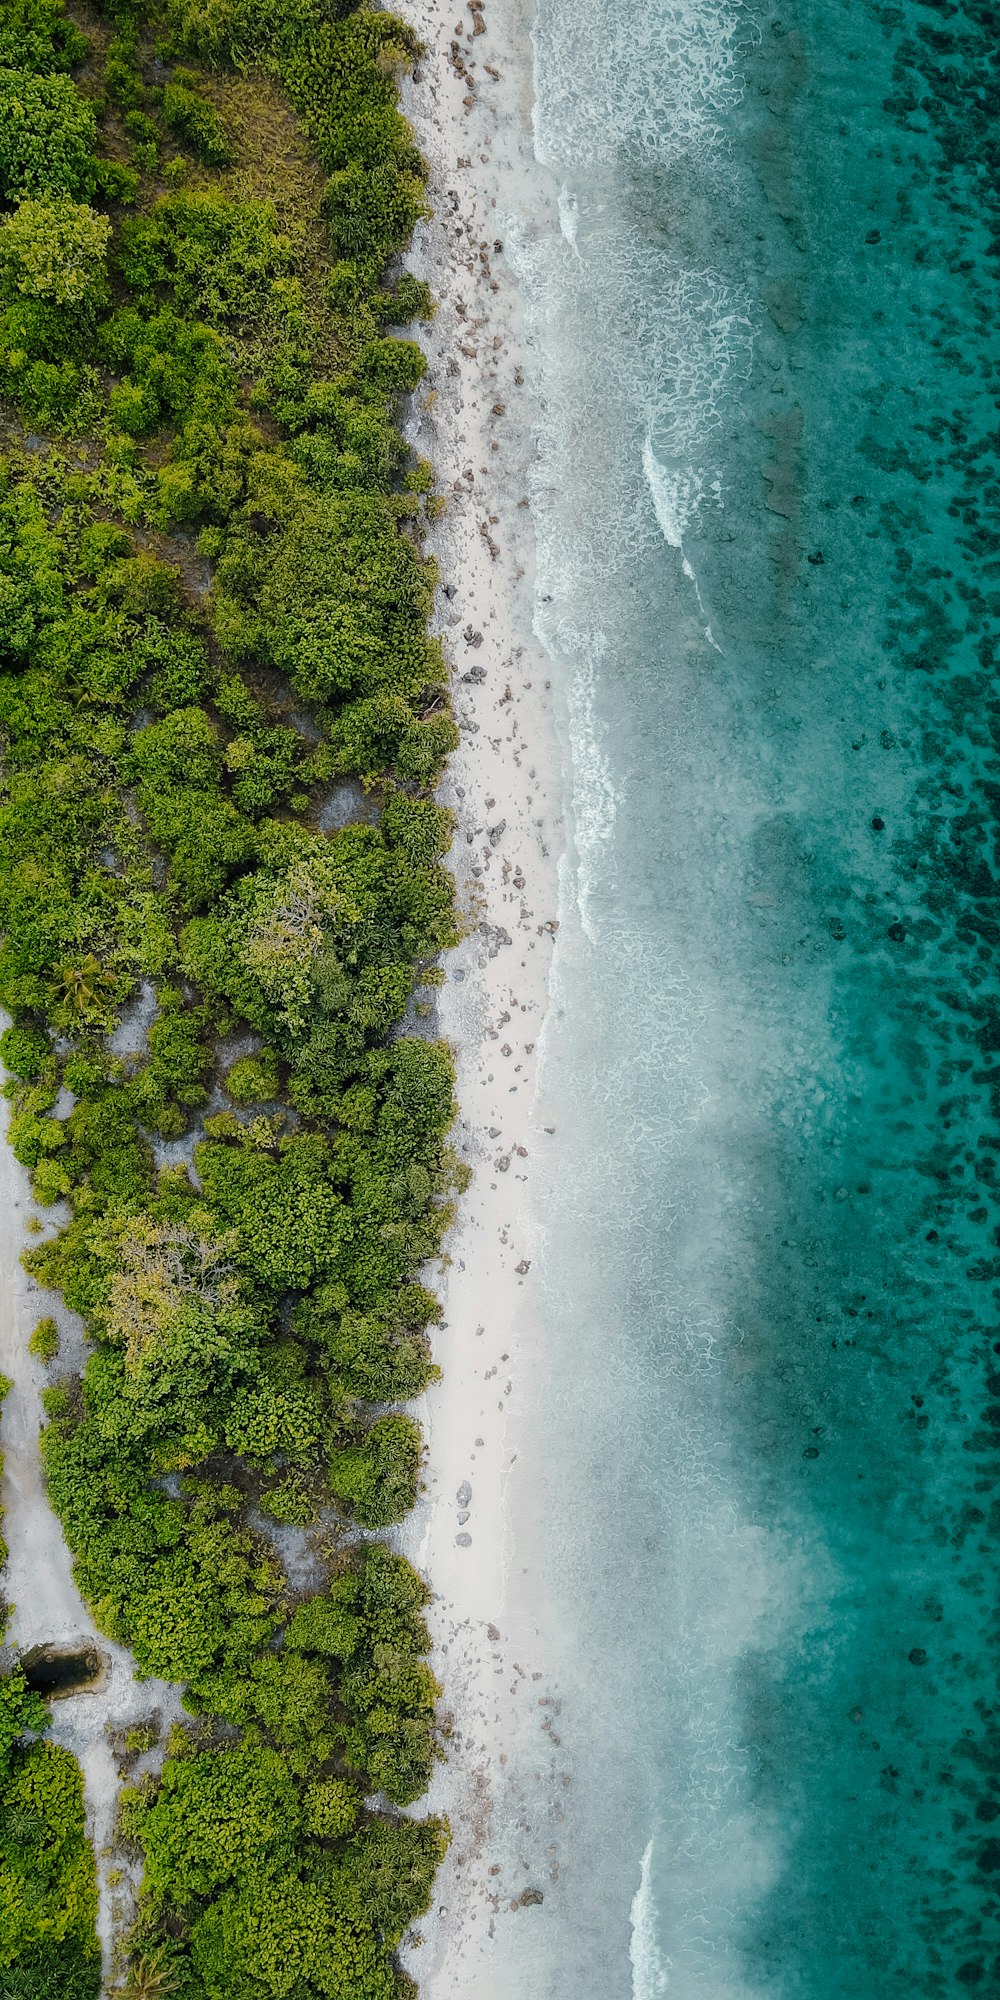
502,1788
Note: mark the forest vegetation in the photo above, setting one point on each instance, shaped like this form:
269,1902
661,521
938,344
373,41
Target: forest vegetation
222,722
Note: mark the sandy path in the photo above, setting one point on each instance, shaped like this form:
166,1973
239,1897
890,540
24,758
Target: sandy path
38,1578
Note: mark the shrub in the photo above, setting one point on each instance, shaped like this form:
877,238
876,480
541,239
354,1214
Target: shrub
25,1052
253,1079
214,257
193,118
48,1949
47,135
377,1480
35,35
56,249
20,1710
44,1342
372,210
177,663
331,1808
216,1818
142,585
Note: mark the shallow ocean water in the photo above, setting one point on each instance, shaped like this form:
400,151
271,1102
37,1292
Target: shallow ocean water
769,583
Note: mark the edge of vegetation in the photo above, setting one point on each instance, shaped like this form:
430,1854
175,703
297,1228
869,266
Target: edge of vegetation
221,892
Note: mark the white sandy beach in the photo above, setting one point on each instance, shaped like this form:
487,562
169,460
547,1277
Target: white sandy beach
503,1785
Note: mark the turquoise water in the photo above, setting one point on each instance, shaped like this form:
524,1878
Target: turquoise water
769,581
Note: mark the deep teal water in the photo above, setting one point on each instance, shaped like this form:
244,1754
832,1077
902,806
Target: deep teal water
769,516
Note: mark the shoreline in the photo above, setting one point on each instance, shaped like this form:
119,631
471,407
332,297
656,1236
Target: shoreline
472,121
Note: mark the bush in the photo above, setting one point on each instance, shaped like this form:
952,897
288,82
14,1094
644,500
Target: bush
47,136
25,1052
331,1808
44,1342
193,118
254,1079
217,258
56,249
47,1920
142,585
35,35
20,1710
377,1480
52,1968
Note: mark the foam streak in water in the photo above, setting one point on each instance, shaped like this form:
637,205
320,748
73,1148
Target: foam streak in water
649,1973
675,498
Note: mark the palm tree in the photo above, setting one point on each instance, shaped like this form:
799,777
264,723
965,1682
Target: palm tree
150,1977
81,983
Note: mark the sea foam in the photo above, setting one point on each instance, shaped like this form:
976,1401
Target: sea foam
675,497
649,1972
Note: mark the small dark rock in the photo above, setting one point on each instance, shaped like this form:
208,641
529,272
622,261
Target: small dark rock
917,1656
530,1898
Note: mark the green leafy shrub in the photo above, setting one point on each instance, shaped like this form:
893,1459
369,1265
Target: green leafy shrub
44,1342
56,249
331,1808
377,1480
47,135
20,1710
25,1052
217,258
253,1079
35,35
193,118
48,1907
